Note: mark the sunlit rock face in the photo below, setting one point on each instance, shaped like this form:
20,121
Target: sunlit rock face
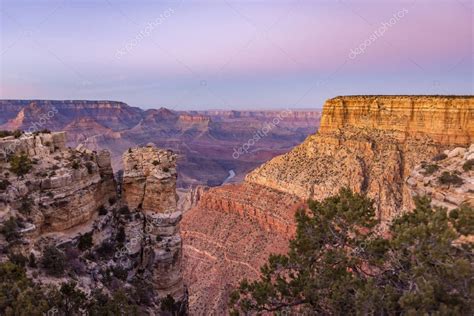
369,144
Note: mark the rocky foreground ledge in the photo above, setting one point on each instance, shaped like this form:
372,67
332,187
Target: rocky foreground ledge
62,213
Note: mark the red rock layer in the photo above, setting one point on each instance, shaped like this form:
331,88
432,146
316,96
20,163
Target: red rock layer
228,236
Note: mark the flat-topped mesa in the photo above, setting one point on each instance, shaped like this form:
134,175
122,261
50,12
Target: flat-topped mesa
445,119
370,144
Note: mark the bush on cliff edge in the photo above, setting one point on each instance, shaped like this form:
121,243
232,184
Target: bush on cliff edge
337,265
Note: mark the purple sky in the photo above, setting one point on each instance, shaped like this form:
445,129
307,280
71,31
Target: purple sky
234,54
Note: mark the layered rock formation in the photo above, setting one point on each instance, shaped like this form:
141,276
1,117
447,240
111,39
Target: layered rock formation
228,236
64,187
54,196
370,144
149,188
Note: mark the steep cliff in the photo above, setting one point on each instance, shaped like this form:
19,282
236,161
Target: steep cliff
149,190
370,144
228,236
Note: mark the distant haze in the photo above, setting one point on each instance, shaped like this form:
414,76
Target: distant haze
195,55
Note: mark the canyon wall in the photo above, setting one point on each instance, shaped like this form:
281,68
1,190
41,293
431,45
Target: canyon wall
370,144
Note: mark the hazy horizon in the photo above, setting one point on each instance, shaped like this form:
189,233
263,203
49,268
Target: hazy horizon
239,55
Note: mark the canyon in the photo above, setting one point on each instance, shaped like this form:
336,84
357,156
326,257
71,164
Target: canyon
205,141
370,144
130,230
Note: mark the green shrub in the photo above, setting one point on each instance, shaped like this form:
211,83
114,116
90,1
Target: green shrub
124,210
439,157
32,261
10,229
120,273
112,200
337,264
468,165
90,167
53,261
102,210
4,184
75,165
20,165
106,250
26,205
121,235
430,169
18,259
17,133
168,304
450,178
85,241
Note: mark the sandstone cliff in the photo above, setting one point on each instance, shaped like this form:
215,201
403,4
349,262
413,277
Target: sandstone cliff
370,144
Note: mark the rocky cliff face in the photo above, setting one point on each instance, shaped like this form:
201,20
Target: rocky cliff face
370,144
54,196
228,236
64,187
149,189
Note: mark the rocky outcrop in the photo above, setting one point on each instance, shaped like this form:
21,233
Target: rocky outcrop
67,199
64,187
149,189
370,144
448,179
